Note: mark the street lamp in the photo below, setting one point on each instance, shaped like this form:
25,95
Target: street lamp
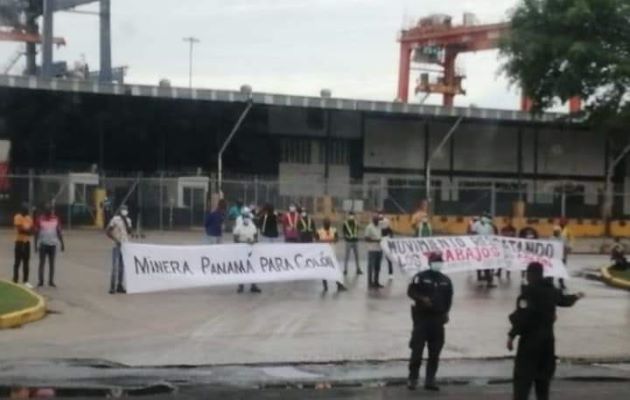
191,41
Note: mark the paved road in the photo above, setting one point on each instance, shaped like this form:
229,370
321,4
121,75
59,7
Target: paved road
287,322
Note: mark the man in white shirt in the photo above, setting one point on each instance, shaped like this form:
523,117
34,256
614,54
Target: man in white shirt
484,227
246,232
118,230
373,235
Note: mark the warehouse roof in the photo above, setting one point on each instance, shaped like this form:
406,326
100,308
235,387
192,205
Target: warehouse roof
67,85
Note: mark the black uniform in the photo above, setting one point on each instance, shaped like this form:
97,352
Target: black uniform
428,320
533,321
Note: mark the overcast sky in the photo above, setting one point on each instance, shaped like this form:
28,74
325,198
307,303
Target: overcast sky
284,46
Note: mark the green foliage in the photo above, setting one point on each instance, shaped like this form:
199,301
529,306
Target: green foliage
566,48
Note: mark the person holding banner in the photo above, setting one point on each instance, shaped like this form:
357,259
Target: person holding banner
432,292
532,322
213,223
484,227
268,224
290,225
246,232
351,237
373,236
306,228
387,232
328,234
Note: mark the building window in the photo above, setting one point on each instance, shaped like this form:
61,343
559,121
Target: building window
297,151
339,152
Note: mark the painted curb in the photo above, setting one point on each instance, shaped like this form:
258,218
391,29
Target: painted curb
612,281
31,314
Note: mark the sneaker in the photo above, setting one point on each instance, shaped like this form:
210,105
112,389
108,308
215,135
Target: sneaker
341,288
40,284
255,289
412,384
112,291
52,284
359,272
431,388
345,272
120,289
28,285
240,289
378,286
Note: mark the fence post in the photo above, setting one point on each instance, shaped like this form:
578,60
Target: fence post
161,204
256,190
31,189
493,200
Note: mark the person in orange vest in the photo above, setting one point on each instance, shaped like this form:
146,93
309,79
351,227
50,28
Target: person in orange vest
328,234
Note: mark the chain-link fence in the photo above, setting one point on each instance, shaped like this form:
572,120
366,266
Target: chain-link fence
180,202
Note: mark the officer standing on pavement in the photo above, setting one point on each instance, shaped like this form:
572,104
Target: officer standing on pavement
351,237
533,321
432,292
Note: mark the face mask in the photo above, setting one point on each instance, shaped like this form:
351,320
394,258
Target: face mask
304,215
351,218
124,213
436,266
292,209
246,221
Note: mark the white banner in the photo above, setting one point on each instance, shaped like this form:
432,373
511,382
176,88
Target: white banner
150,268
470,253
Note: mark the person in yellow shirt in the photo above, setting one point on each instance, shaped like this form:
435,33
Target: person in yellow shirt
328,234
567,238
23,224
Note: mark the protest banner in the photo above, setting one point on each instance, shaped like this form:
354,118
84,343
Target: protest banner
150,267
471,253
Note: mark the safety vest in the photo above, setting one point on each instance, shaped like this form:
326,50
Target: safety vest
327,235
306,224
351,233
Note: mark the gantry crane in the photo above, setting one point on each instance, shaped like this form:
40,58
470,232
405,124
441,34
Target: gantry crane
436,42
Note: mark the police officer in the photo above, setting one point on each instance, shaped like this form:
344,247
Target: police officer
432,292
533,322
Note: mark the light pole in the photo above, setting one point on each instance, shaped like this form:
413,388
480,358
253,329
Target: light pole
191,42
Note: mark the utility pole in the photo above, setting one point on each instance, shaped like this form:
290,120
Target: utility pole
191,41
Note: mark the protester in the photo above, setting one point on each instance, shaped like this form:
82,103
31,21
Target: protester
484,227
417,217
508,231
351,237
246,232
290,225
23,224
214,223
618,255
387,232
373,237
470,230
567,238
118,230
306,228
425,229
557,236
234,212
268,224
48,236
528,232
328,234
432,292
533,322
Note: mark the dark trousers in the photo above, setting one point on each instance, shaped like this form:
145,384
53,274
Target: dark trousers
374,267
426,332
44,252
485,275
22,257
523,385
535,364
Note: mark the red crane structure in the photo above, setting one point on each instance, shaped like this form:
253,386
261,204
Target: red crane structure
436,42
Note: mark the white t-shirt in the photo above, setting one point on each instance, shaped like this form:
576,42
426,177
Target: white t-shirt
246,233
119,230
483,229
373,232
